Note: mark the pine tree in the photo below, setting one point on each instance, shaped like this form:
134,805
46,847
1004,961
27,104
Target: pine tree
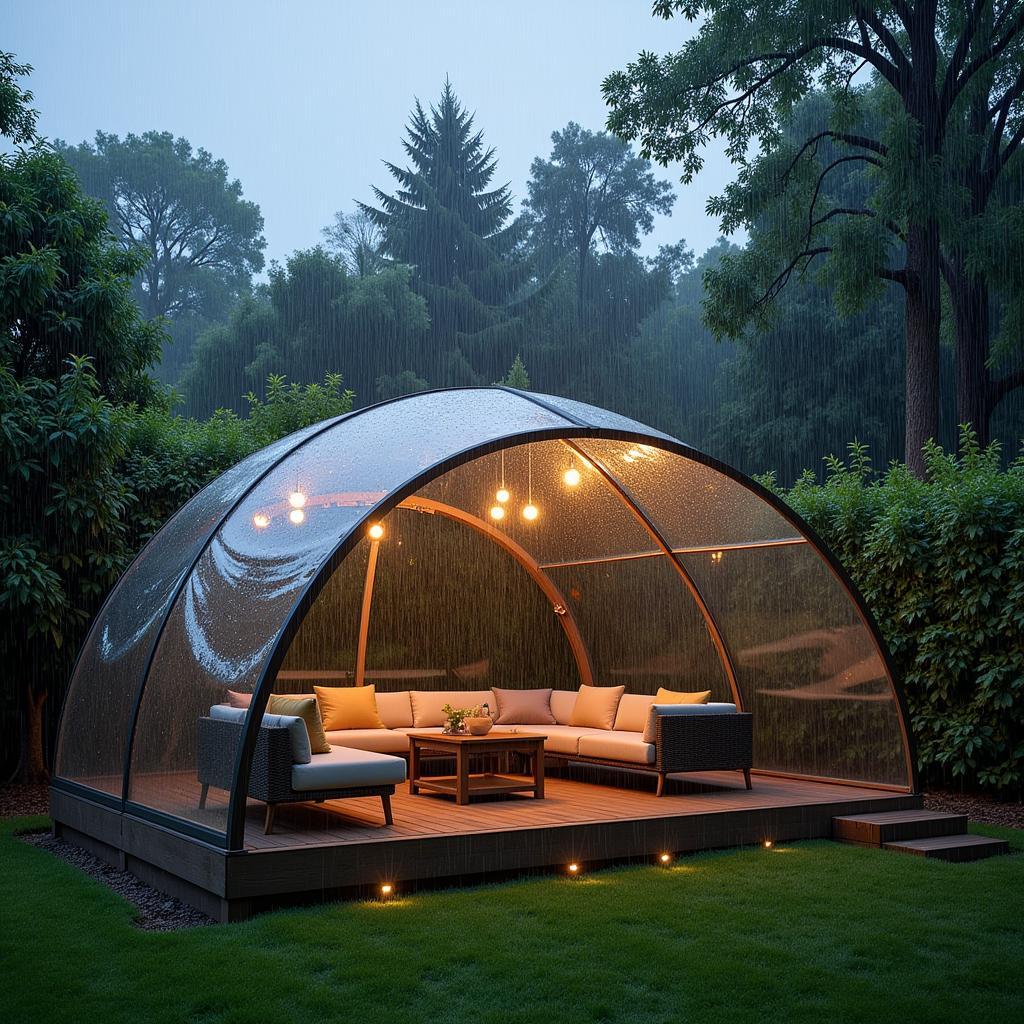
457,232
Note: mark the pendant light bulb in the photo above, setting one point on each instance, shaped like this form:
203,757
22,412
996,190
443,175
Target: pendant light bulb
502,496
571,476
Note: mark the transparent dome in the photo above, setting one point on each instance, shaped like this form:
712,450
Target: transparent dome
620,556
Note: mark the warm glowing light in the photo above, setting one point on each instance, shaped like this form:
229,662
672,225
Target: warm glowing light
261,520
665,858
716,556
503,495
386,889
767,844
497,512
636,453
530,512
376,531
573,868
297,516
296,499
571,477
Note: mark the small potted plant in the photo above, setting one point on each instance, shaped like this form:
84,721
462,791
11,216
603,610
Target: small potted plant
455,719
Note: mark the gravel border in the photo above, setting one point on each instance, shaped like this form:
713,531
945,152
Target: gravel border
155,911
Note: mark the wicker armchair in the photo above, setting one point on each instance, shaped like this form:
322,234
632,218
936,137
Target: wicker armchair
270,774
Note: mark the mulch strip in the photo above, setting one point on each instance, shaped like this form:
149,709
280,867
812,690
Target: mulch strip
983,810
23,801
156,911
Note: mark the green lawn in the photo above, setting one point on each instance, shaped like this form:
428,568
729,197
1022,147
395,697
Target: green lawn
808,932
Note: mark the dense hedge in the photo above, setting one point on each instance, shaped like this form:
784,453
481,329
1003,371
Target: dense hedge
941,564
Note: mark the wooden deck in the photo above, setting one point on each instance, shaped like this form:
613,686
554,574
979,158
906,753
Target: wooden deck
343,848
566,802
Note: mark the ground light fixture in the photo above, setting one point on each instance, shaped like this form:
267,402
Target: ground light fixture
767,844
386,891
573,868
665,858
375,532
297,516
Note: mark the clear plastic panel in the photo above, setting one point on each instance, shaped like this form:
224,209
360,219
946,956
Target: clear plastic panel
642,627
581,519
98,707
231,611
806,663
454,610
692,505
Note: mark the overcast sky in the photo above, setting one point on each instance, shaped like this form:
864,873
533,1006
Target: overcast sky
304,99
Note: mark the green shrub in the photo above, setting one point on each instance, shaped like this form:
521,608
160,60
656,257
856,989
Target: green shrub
941,564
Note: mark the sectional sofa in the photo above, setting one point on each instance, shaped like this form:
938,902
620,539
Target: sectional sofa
633,732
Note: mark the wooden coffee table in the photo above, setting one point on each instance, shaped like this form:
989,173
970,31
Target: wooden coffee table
464,784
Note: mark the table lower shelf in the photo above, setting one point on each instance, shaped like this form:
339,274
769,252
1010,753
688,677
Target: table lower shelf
482,783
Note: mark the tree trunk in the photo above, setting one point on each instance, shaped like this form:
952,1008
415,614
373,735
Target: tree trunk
923,312
969,296
33,760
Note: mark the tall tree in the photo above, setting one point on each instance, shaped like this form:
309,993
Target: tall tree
456,231
739,79
203,240
72,345
592,193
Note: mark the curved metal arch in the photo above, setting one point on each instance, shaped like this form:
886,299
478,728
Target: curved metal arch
236,813
560,606
631,503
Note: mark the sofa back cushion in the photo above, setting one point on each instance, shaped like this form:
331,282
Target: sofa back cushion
301,753
562,703
348,707
632,713
305,708
595,706
650,730
524,707
427,704
395,709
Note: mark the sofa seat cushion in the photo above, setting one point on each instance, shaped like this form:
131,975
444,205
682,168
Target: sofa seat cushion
617,745
384,741
561,739
348,768
427,704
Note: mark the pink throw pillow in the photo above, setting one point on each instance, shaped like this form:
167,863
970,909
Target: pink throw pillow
524,707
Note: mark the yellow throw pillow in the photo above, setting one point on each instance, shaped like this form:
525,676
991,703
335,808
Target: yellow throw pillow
348,707
306,709
595,706
675,697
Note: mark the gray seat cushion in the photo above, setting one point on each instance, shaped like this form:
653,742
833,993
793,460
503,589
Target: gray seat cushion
348,768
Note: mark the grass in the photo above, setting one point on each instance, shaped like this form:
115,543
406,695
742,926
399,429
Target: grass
808,932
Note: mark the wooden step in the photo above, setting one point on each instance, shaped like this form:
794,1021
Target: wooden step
955,848
893,826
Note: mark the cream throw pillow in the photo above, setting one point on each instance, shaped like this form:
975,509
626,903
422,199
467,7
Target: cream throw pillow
348,707
595,706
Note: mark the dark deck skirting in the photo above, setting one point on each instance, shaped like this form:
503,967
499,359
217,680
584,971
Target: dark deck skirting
342,850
